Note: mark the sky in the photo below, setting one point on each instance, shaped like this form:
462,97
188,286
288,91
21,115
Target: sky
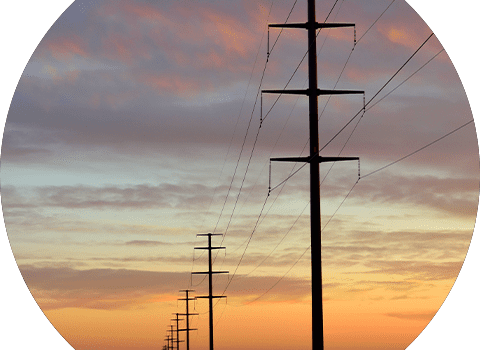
120,146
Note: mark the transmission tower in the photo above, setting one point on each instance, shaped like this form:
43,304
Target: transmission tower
177,340
314,159
210,273
172,339
187,315
169,342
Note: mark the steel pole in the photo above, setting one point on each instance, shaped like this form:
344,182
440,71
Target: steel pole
315,220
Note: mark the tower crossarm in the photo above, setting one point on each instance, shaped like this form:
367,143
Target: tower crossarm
213,296
320,159
316,25
319,92
206,273
209,248
190,314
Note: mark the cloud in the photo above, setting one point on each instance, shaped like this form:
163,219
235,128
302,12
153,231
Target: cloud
422,270
56,288
65,48
415,249
146,243
141,82
112,197
61,287
457,196
412,316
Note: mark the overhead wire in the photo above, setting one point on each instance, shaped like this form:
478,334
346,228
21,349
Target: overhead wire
298,65
254,143
247,168
418,150
280,279
231,141
256,138
283,128
292,174
342,148
378,101
301,256
245,137
376,94
262,119
375,21
242,147
362,177
366,104
258,131
295,172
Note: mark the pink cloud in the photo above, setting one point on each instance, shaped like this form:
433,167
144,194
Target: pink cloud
176,84
408,34
64,48
124,48
231,34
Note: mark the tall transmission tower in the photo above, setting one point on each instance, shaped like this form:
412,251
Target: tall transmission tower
314,159
210,273
187,315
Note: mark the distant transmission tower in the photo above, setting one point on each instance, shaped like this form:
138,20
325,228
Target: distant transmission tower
314,159
210,273
177,339
187,315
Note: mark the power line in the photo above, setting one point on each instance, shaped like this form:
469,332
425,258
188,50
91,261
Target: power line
245,137
376,94
298,66
263,118
288,118
284,236
348,194
269,51
391,91
324,146
339,77
375,21
256,138
357,124
231,140
244,141
396,87
292,174
418,150
323,228
280,279
249,160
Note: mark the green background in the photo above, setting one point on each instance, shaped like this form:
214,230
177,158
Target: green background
23,325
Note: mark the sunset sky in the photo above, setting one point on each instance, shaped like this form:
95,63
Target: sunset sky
122,141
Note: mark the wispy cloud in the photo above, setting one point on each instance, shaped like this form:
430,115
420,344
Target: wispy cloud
427,316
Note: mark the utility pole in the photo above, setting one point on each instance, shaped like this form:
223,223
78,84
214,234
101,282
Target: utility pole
314,159
187,315
178,341
168,339
171,336
210,273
